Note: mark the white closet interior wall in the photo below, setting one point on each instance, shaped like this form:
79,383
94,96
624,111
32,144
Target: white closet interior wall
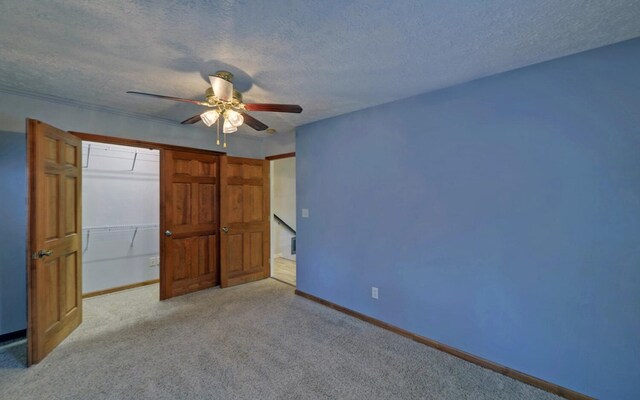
120,215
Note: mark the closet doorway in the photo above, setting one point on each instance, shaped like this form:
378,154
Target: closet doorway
120,217
213,222
283,215
183,194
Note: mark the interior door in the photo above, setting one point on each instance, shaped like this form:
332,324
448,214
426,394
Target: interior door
55,260
189,222
244,217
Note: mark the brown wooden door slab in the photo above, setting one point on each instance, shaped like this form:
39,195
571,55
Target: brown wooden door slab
189,222
55,261
244,217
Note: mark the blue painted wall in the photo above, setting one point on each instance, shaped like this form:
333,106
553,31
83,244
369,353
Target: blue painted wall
501,217
13,225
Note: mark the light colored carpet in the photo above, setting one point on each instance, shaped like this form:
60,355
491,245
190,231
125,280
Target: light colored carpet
255,341
284,270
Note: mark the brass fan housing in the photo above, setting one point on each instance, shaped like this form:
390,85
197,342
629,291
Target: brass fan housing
208,93
213,100
226,75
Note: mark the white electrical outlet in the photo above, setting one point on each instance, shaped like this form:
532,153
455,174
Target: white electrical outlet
152,261
374,292
305,213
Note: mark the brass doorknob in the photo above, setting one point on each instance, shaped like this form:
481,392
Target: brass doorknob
225,229
45,253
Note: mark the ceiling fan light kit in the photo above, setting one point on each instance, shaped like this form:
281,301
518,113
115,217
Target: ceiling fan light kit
227,102
235,118
228,128
210,117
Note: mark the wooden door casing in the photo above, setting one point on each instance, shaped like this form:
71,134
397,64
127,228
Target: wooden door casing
55,225
244,214
189,210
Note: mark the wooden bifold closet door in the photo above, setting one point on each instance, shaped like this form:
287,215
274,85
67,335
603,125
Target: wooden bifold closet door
189,222
244,216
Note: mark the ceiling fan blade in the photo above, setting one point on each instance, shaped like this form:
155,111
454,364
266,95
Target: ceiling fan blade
200,103
254,123
288,108
192,120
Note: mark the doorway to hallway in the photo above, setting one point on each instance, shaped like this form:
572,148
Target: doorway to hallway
283,217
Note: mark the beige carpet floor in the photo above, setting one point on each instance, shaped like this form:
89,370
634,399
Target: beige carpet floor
255,341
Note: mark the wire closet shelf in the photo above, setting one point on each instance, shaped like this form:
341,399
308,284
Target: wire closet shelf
115,228
91,150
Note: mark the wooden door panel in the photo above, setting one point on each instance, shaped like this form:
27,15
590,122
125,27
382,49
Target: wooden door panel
234,253
193,264
234,170
194,198
51,149
70,155
52,197
182,166
54,289
193,256
189,209
254,250
48,281
252,204
206,196
71,196
179,258
207,169
181,204
72,284
233,202
250,171
245,207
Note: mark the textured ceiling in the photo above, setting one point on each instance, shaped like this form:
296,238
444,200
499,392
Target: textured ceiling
331,57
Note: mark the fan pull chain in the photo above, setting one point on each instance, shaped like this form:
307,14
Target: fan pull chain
218,133
225,140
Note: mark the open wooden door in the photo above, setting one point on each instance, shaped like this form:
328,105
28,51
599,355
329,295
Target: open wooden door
54,290
189,222
244,217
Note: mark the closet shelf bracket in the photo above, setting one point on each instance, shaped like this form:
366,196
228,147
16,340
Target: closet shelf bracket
86,245
135,157
133,238
88,155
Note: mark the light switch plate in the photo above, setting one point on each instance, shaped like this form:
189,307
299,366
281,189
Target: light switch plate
305,213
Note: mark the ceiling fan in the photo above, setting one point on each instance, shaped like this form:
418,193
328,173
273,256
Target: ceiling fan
226,102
